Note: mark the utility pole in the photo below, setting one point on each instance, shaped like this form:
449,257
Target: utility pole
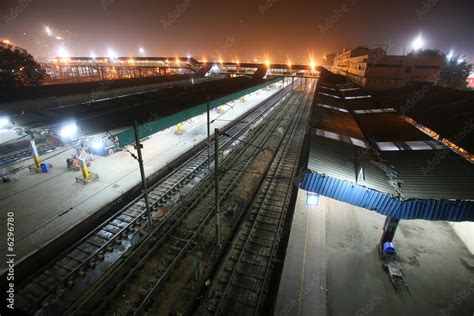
208,134
216,180
138,148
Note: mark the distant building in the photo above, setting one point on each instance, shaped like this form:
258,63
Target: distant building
375,70
470,81
329,60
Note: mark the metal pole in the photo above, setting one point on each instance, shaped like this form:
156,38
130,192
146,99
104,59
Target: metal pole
216,179
138,148
208,134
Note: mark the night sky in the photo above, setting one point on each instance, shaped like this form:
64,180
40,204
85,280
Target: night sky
242,29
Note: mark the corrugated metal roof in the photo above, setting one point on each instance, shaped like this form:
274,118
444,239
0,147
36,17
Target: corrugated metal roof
336,159
432,184
386,204
332,160
438,174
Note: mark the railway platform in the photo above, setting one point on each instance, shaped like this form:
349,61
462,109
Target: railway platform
47,205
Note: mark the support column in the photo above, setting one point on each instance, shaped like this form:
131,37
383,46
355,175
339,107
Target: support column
34,152
216,184
389,229
138,148
208,134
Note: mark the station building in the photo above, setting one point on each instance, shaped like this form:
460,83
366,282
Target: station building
373,69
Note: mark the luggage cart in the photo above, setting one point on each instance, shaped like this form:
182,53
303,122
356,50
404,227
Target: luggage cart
392,266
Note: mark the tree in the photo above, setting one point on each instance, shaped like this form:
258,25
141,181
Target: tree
426,52
455,72
18,68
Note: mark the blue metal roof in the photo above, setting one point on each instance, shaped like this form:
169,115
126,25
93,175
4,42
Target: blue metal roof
386,204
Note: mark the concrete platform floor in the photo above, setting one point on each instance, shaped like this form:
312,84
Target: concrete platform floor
439,269
47,205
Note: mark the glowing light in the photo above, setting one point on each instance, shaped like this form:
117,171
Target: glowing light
68,131
312,64
6,41
93,56
48,31
4,121
97,144
312,199
267,62
111,54
449,55
63,53
131,60
460,60
141,50
204,60
417,43
59,38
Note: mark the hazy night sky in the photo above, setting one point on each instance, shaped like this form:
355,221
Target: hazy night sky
235,28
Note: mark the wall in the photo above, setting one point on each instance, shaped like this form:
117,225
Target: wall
465,231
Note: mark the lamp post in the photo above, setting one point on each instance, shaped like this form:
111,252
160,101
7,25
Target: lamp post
216,183
138,147
208,134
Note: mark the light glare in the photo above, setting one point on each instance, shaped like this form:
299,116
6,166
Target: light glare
417,43
112,54
4,121
450,55
97,144
312,199
68,131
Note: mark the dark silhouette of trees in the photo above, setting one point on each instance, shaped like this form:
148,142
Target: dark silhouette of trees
18,68
455,70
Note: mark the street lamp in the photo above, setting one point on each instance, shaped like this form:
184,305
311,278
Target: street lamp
48,31
68,131
112,54
4,122
449,55
417,43
63,53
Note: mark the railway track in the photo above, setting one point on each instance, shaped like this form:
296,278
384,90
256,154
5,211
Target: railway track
72,273
147,282
240,284
165,250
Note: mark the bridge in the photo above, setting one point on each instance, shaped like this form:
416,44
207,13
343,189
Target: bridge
78,69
